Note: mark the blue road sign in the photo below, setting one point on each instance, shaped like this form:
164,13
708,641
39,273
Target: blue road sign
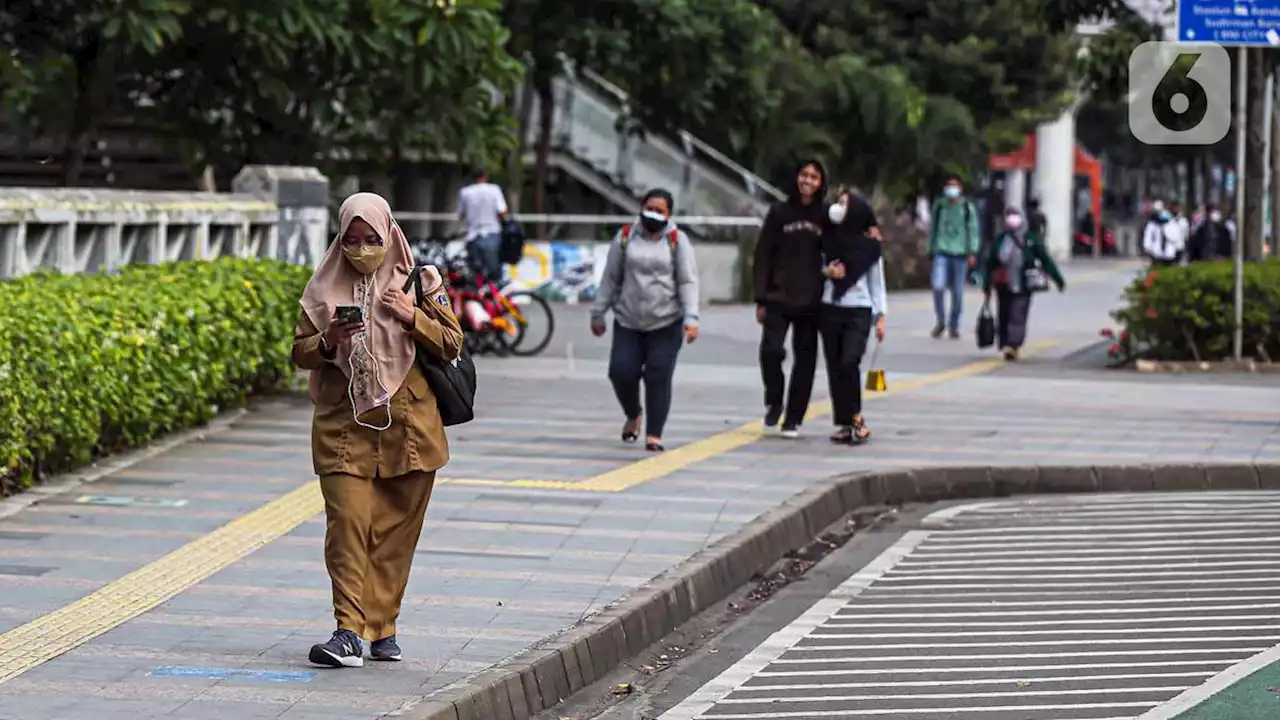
1230,22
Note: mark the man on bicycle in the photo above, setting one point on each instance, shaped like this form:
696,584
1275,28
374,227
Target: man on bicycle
483,208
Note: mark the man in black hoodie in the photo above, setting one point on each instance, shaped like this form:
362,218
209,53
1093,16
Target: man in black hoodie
788,291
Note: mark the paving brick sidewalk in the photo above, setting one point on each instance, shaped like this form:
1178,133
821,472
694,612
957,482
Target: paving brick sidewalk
505,562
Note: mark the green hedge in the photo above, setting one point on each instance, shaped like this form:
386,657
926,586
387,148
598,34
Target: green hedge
1188,313
93,364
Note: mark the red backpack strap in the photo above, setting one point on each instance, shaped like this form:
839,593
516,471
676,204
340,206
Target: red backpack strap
626,234
673,237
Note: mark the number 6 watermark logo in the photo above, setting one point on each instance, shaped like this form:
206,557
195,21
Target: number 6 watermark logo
1179,93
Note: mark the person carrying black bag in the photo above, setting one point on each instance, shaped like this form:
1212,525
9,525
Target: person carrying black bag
377,435
1019,267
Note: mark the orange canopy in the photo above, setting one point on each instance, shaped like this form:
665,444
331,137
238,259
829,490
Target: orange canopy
1024,158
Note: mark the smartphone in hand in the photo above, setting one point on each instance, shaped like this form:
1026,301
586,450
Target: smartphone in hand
350,315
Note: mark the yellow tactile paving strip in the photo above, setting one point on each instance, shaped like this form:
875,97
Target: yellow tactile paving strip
40,640
29,645
679,458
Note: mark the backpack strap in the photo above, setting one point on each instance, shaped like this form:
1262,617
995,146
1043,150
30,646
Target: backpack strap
622,263
673,241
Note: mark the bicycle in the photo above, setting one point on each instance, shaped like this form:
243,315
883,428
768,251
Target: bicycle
493,319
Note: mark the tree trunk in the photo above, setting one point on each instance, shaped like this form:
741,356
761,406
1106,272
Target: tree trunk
208,180
1275,167
515,162
404,196
1207,162
1255,147
89,65
546,121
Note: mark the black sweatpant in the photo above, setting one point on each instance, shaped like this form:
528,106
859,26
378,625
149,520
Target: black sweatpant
844,341
648,356
1012,310
804,345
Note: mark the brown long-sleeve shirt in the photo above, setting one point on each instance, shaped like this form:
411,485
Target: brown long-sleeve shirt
415,441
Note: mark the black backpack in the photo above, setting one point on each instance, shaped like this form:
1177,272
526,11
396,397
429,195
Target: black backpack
453,383
511,249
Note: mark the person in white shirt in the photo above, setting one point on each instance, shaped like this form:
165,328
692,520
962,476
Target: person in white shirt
1163,239
1184,224
482,206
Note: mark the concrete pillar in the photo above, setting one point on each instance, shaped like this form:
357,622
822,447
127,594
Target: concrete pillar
1055,178
1015,188
302,196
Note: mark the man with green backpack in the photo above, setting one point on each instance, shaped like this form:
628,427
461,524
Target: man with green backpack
954,240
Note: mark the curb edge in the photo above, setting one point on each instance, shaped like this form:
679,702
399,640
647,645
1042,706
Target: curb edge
551,670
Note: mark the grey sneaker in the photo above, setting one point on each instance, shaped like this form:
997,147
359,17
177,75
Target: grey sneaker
385,650
790,432
343,650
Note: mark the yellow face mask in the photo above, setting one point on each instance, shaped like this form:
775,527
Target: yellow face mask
365,258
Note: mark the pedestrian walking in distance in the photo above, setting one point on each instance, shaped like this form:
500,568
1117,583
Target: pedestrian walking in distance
1018,267
853,302
1162,239
482,206
788,291
650,283
377,439
954,240
1211,240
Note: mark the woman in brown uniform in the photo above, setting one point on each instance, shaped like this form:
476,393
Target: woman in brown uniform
376,438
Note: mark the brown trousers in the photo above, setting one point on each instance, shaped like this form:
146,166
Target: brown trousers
371,534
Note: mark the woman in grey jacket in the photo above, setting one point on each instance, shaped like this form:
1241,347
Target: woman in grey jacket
650,283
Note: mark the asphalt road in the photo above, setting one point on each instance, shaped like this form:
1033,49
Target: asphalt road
1099,607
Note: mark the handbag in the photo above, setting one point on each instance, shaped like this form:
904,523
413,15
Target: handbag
1034,278
453,383
876,381
986,331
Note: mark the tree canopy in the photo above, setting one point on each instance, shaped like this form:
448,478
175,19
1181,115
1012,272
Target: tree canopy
288,81
890,92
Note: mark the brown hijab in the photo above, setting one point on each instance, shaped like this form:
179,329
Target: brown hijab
381,356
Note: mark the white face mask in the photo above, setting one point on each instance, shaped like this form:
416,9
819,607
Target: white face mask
1215,216
952,191
1013,222
837,212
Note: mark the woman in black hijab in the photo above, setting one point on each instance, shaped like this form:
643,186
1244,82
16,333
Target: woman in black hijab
853,301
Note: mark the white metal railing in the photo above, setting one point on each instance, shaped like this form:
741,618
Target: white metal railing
589,111
707,220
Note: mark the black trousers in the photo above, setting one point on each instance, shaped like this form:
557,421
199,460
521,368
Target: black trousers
1012,310
804,345
844,342
651,357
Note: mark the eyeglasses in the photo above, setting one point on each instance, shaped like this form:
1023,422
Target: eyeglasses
353,241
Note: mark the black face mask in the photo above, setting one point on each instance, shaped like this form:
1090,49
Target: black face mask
652,222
